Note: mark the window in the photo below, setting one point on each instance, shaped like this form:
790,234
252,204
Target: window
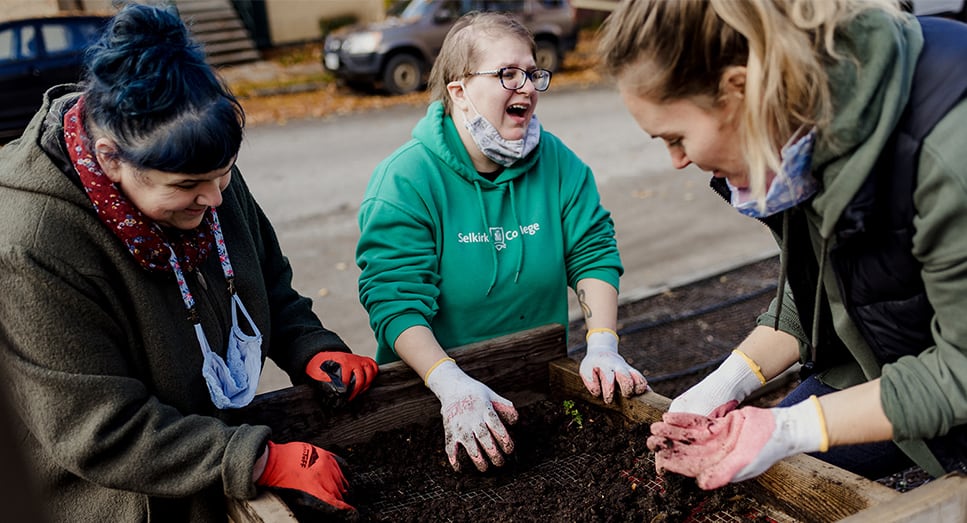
7,47
57,38
29,47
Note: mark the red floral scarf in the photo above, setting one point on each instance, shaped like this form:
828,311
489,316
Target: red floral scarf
144,238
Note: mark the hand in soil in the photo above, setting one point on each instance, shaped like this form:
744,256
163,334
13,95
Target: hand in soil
602,367
473,417
741,445
598,472
308,469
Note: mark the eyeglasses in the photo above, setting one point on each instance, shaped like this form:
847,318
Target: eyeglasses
514,78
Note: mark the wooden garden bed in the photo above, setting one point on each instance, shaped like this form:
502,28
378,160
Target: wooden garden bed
530,366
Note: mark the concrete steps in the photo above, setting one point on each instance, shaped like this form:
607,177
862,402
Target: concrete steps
216,24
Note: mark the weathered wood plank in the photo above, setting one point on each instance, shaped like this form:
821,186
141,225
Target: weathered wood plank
944,499
266,508
815,491
514,366
566,380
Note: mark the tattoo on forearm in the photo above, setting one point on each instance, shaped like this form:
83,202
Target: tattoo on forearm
584,304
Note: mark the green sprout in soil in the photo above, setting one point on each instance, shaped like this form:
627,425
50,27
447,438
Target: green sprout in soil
571,410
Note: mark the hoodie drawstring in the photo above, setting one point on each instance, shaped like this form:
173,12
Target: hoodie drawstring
783,267
783,274
814,336
486,224
520,252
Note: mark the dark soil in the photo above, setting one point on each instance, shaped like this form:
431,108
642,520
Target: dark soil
598,470
595,470
570,467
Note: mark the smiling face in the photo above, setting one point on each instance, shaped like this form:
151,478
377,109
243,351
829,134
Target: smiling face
695,131
510,111
169,199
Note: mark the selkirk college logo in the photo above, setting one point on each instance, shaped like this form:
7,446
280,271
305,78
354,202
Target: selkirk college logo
499,235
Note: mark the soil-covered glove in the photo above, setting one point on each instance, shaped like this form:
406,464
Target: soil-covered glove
736,378
741,445
343,372
306,468
473,416
602,366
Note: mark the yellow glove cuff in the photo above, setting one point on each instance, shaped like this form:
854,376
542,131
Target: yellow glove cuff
756,369
429,371
593,331
824,445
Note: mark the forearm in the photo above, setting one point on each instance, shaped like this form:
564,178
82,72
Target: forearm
855,415
772,350
599,304
419,349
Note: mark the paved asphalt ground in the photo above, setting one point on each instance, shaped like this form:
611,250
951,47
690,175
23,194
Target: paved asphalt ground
671,228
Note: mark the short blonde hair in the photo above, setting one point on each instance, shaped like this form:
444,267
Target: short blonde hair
460,51
666,50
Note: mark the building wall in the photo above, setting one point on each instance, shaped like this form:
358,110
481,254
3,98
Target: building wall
13,9
292,21
97,6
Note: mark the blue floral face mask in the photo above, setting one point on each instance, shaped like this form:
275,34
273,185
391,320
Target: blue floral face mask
231,381
494,146
792,185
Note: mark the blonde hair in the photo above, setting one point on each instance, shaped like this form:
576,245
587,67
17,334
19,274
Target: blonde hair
460,51
669,50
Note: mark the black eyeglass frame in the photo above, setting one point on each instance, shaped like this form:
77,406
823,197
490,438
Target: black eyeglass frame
528,75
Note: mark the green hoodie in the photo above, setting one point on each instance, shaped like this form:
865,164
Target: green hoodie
868,103
443,247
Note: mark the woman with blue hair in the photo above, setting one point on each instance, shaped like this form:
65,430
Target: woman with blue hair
143,290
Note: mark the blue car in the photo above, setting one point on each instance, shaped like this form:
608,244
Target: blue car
36,54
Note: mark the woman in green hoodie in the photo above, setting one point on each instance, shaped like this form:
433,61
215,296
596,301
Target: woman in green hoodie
476,228
143,288
797,109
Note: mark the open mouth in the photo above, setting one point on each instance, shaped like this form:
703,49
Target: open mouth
517,110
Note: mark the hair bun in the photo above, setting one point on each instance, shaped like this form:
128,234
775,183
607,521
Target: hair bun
150,27
144,61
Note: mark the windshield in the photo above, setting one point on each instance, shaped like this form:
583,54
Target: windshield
410,8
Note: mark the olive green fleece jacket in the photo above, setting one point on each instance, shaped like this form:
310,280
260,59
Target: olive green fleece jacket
100,362
923,396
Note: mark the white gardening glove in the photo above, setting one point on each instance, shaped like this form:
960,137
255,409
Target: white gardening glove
735,379
602,366
739,445
473,416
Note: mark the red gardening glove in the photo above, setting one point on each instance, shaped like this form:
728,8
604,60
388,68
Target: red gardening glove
343,372
740,445
306,468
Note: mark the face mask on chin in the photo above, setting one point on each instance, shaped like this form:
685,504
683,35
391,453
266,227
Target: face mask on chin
494,146
792,185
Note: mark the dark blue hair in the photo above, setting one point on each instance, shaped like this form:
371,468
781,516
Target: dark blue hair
148,86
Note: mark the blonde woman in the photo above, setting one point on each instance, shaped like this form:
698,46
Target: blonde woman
477,227
797,109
